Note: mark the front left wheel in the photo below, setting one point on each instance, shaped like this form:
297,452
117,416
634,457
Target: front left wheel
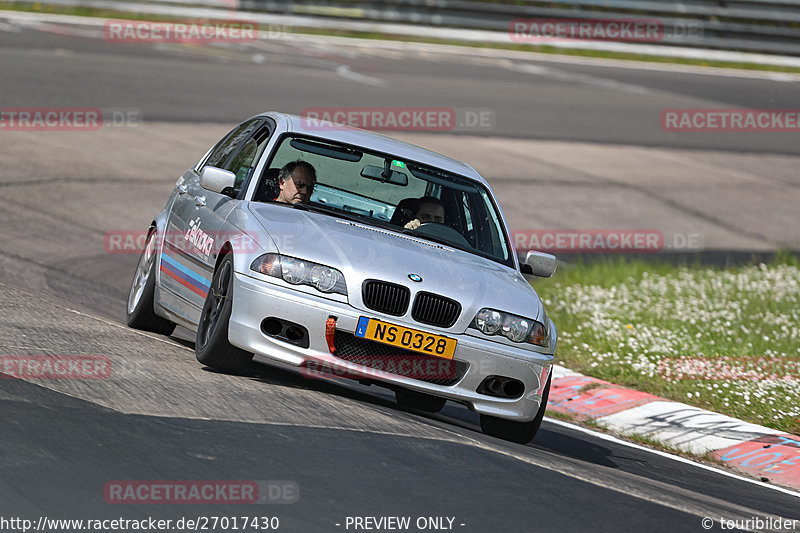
211,345
141,298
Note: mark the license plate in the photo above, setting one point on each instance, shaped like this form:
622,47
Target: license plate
410,339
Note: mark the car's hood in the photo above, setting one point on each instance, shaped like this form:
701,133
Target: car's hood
364,252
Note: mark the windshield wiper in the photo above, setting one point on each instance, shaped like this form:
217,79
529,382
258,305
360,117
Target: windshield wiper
437,240
381,224
327,211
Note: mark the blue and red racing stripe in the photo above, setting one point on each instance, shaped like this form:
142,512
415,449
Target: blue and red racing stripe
184,275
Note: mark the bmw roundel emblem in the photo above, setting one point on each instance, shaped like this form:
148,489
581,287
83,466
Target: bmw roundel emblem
415,277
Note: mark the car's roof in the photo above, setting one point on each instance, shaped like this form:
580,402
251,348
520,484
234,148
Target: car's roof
373,141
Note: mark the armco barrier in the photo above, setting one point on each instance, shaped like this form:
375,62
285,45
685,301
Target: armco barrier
769,26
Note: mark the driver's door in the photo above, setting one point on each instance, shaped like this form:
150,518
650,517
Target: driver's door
193,237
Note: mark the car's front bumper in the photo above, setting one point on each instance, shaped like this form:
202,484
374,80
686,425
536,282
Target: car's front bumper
255,300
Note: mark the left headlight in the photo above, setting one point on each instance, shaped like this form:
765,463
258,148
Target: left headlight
514,328
300,272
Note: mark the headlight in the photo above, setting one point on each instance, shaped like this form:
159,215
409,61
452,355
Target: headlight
324,278
488,321
293,270
301,272
514,328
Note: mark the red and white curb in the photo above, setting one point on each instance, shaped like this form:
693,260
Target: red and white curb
766,453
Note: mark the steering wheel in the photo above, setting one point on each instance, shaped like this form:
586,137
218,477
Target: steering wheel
446,233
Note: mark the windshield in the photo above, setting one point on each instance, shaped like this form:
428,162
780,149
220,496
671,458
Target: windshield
390,192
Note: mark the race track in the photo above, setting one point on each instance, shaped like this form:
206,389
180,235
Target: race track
573,145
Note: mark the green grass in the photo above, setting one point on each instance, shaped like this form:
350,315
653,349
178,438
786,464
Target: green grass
724,339
40,7
77,11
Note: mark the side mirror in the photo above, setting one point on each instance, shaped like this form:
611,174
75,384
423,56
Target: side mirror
539,264
216,179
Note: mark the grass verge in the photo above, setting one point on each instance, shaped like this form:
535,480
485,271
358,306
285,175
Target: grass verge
723,339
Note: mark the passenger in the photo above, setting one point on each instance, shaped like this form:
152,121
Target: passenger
429,209
296,182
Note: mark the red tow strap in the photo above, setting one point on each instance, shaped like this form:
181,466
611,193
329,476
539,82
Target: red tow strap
330,330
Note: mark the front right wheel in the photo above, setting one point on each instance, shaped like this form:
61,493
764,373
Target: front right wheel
521,432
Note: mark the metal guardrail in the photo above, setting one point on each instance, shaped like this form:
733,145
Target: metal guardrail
769,26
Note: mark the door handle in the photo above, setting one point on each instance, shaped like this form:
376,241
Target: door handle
200,201
182,189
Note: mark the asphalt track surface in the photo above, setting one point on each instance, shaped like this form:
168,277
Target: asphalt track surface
350,449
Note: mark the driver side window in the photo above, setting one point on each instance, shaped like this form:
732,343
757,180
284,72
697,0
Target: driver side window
230,143
243,162
239,151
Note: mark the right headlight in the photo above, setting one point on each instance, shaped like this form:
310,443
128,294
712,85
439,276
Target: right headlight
514,328
300,272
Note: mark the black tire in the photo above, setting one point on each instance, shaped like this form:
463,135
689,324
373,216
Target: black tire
521,432
419,401
211,344
140,310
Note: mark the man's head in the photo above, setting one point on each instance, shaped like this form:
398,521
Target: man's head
430,209
296,181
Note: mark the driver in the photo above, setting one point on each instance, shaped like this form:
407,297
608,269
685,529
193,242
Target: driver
429,209
296,182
